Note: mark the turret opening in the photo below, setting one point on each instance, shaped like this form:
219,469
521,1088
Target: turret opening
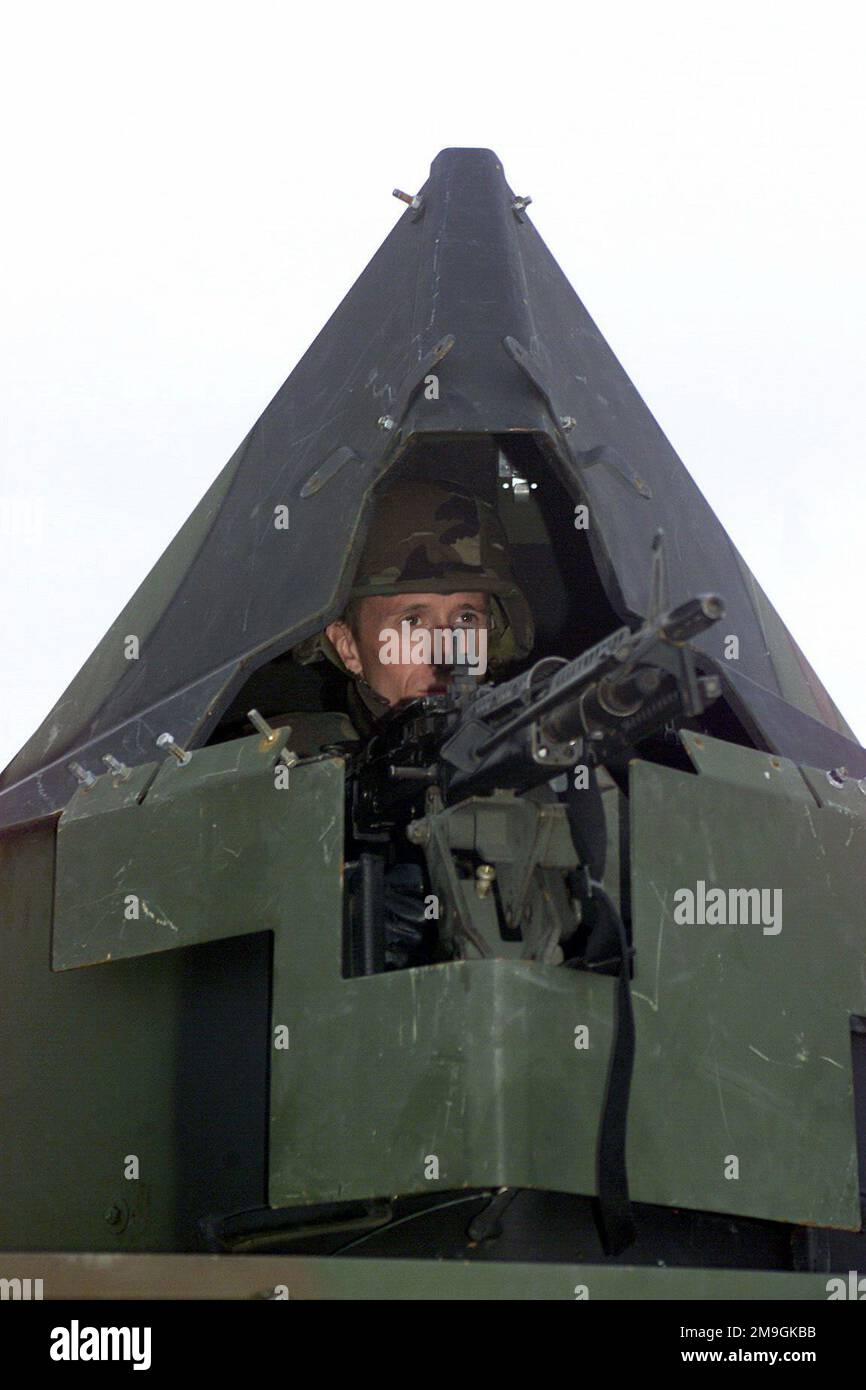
557,560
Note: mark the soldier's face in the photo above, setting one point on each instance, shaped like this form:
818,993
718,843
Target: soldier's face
370,651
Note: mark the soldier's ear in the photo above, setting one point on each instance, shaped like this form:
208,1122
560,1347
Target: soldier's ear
339,634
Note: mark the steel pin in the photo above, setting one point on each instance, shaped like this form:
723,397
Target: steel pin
259,722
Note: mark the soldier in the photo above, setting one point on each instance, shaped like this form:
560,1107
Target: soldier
435,562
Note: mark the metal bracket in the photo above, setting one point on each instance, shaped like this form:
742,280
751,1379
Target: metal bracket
611,459
327,470
532,369
523,878
413,380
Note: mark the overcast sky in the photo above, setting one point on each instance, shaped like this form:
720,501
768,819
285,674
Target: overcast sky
190,189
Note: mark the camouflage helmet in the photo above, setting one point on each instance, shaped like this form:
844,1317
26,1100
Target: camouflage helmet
436,539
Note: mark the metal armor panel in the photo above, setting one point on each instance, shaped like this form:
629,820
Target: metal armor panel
467,1073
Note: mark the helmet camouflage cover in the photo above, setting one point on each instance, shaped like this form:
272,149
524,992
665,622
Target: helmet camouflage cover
434,539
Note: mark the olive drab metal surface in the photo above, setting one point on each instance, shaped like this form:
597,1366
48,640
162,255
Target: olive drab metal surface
257,1276
744,1025
471,1061
212,849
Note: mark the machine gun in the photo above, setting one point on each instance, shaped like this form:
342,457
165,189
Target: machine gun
443,771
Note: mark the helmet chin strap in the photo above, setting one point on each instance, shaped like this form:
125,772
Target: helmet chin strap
375,703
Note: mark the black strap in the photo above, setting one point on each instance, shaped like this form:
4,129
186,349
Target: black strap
588,825
607,945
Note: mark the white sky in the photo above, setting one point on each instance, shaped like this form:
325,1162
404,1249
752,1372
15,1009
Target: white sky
190,189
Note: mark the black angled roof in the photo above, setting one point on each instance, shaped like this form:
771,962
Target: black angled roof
465,286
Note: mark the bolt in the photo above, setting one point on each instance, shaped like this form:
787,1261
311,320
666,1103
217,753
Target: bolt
484,876
520,203
568,422
86,778
386,422
119,769
407,198
114,1215
836,776
167,741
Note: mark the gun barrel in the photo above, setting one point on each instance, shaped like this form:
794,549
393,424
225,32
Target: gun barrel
596,704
